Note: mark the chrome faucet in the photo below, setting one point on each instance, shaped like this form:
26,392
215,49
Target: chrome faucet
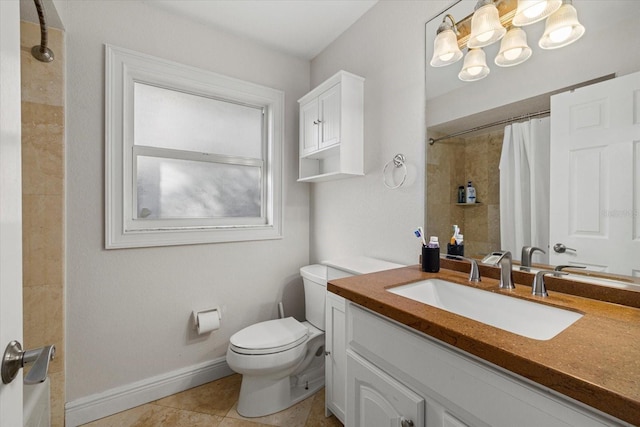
506,274
527,253
474,272
538,287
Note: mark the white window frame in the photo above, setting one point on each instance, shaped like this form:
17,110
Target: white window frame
124,68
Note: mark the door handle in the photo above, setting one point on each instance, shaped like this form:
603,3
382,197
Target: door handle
560,248
14,359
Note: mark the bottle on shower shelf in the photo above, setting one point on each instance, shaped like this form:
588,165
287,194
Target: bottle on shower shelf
471,193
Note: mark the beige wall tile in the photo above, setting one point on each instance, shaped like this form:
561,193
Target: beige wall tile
41,82
43,205
42,149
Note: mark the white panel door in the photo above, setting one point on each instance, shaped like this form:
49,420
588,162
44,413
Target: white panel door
10,204
377,400
330,109
336,360
309,127
595,187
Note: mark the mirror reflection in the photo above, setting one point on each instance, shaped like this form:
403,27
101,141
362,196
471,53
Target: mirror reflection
511,104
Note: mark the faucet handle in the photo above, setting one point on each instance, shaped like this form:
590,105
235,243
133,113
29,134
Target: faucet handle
563,266
474,273
538,287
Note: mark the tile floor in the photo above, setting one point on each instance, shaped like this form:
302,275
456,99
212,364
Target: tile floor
214,405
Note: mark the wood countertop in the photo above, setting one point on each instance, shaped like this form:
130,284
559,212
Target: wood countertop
595,361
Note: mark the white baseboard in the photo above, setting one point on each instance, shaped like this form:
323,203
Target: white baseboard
118,399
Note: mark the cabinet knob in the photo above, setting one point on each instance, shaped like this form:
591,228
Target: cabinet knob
327,353
405,422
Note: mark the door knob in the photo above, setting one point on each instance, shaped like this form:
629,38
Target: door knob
404,422
14,359
560,248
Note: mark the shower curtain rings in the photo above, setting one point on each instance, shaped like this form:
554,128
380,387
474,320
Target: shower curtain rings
398,162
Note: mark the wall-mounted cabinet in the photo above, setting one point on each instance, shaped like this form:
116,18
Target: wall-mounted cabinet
332,129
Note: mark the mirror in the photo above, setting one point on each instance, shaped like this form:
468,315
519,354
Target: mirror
608,48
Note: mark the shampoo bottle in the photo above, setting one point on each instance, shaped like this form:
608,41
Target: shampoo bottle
471,193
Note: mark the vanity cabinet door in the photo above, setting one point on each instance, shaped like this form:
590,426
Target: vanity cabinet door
336,357
377,400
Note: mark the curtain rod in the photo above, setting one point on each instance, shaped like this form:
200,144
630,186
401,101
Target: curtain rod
489,125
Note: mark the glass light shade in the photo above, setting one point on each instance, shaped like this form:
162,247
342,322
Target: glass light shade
474,67
530,11
485,27
562,28
445,49
514,49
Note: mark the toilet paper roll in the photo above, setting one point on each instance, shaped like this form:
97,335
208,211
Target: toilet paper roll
207,321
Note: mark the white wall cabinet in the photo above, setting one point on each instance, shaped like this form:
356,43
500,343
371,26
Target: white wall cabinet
457,389
332,129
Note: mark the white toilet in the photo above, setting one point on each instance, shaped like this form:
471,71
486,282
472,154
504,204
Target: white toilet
282,360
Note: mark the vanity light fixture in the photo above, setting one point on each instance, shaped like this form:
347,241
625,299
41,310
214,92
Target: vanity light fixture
531,11
514,49
475,66
562,28
445,47
489,23
486,28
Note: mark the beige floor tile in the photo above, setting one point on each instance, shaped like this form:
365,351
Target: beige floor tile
151,415
316,416
234,422
194,407
296,416
214,398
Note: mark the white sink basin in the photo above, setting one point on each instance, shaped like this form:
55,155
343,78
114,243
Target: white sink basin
526,318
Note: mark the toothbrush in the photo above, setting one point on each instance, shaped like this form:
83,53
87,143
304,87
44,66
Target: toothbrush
420,233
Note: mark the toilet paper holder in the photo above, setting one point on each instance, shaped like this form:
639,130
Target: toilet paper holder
197,315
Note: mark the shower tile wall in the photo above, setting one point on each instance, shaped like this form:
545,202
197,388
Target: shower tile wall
43,204
452,163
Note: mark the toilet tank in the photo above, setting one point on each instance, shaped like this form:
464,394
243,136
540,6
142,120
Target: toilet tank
314,278
352,266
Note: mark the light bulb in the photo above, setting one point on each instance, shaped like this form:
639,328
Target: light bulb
535,10
560,35
446,57
512,54
474,71
485,36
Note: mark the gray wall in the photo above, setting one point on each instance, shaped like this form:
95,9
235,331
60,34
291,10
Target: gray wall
128,310
360,215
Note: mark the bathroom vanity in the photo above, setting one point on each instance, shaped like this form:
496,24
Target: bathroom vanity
412,364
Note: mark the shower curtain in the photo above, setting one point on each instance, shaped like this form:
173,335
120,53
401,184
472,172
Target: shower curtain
524,188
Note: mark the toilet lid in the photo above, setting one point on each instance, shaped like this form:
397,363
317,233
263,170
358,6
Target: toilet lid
270,336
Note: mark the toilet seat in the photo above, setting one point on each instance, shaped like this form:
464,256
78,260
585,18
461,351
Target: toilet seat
271,336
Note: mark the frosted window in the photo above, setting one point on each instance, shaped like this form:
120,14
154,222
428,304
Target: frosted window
171,119
191,156
170,188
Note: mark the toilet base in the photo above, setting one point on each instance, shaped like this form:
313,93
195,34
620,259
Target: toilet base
261,396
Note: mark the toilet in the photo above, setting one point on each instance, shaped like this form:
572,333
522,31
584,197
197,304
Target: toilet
282,360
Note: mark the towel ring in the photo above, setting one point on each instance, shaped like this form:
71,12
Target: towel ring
398,162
